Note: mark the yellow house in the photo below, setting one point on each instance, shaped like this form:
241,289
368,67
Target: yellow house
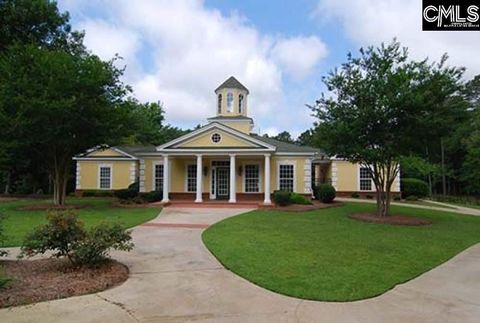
223,160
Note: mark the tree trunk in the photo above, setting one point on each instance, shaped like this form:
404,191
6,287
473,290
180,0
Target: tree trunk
7,183
60,178
444,183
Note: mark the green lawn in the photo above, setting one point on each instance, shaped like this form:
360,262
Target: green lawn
324,255
18,223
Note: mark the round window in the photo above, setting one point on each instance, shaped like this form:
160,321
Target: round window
216,138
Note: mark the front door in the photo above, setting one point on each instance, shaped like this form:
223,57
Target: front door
222,182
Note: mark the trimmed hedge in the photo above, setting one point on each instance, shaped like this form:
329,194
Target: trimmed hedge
282,198
325,193
296,198
97,193
415,187
153,196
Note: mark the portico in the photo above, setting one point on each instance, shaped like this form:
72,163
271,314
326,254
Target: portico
210,176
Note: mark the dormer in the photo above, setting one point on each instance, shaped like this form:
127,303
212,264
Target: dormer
232,106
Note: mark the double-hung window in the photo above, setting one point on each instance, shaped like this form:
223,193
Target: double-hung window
158,177
105,177
365,179
252,178
286,177
191,178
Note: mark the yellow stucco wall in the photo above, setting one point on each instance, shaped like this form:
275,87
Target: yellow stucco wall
204,140
121,174
243,126
347,177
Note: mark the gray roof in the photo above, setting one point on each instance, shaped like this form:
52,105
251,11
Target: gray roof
231,83
134,149
284,147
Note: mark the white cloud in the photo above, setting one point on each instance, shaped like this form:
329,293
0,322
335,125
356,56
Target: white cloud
369,22
299,55
178,52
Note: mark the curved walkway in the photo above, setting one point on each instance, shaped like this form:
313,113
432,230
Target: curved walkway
174,278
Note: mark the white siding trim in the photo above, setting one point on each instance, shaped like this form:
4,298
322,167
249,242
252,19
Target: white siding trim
335,175
142,175
78,176
133,172
307,178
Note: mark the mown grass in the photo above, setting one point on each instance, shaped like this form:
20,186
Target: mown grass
18,223
325,255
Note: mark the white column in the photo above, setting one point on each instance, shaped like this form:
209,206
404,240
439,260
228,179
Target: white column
199,179
233,185
267,180
166,179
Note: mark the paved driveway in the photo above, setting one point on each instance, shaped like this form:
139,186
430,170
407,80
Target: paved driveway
175,279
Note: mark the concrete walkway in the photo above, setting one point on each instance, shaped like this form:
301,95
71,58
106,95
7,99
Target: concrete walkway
441,206
174,278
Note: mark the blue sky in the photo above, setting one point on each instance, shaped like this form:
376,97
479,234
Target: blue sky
178,52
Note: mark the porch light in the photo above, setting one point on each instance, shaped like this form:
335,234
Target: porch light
205,170
240,169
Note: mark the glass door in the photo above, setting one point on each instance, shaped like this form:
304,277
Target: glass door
222,182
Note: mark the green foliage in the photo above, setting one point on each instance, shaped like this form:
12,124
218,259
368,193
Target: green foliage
97,243
413,186
153,196
411,198
355,195
125,194
283,136
418,167
60,235
282,198
97,193
382,101
296,198
325,193
462,200
135,186
2,236
65,235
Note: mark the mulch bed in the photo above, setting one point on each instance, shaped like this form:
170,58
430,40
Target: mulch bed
391,219
302,208
38,207
48,279
135,205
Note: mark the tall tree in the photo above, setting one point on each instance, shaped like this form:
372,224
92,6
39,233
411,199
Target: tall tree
61,104
375,109
284,136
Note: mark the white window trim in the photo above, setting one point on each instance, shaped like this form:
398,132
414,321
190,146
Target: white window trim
100,166
358,180
287,162
260,177
155,163
186,177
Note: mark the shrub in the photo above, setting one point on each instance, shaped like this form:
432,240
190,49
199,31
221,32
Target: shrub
411,198
2,237
325,193
97,193
281,198
135,186
60,234
153,196
66,236
97,243
397,198
368,196
355,195
125,194
413,186
296,198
